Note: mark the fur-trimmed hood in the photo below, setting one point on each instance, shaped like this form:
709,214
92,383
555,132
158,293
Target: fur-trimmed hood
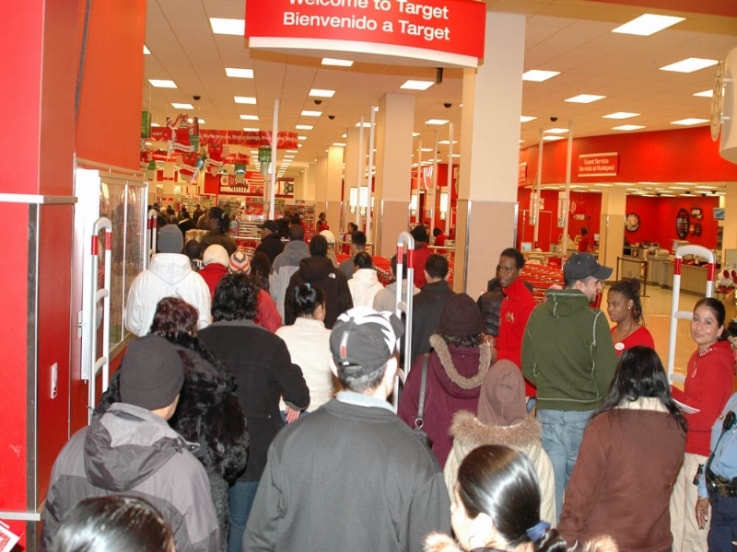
469,432
439,542
464,367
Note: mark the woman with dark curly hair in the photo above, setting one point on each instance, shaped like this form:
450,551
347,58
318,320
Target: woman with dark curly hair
455,371
208,412
629,458
625,310
261,364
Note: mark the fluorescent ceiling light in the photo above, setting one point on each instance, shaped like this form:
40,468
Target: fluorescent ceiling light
321,93
647,24
249,117
365,124
552,137
250,129
689,65
415,134
308,113
337,62
526,118
535,75
146,51
300,137
238,73
155,125
556,130
446,142
182,106
436,122
689,121
620,115
585,98
303,127
291,151
705,93
339,144
162,83
628,127
426,149
224,26
250,100
417,85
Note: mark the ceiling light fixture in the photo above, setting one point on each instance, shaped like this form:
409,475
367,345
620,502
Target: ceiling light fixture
704,93
628,127
337,62
689,65
526,118
647,24
225,26
689,121
162,83
536,75
303,127
308,113
620,115
584,98
146,51
416,85
182,105
250,100
238,73
437,122
249,117
321,93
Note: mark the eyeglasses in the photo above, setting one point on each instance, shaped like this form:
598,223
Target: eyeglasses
729,421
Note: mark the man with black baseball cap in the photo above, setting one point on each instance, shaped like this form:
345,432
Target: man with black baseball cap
271,244
351,475
132,449
567,352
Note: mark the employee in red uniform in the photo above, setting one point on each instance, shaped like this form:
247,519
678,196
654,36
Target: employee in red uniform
585,243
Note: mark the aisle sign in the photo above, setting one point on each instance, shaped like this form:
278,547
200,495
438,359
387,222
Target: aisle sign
444,31
598,164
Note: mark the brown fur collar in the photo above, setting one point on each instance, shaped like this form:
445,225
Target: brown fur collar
439,542
441,349
470,432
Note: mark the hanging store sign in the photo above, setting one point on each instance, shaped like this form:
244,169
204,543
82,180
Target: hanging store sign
450,32
253,139
598,164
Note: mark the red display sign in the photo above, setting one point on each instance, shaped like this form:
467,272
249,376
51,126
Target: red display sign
598,164
252,139
448,30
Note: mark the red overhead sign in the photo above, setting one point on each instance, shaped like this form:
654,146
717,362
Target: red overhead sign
450,31
598,164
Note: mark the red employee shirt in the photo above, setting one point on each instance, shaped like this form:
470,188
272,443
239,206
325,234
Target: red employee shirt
515,310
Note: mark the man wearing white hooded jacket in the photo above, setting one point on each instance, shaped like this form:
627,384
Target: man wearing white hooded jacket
365,282
169,274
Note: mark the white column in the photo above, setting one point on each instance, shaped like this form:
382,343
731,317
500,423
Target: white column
487,201
611,226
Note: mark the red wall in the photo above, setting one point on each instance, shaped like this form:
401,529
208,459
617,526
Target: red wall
658,220
687,155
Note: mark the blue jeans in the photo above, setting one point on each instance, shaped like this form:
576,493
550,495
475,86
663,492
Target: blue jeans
723,530
240,496
562,432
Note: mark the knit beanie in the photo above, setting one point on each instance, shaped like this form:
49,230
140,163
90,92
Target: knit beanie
170,239
502,399
329,236
215,253
239,262
151,375
460,317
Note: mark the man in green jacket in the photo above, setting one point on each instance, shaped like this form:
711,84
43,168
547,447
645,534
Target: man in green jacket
567,353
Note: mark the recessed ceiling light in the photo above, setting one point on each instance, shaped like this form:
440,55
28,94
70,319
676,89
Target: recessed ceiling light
250,100
251,129
415,134
552,137
249,117
526,118
146,51
647,24
337,62
290,151
224,26
162,83
689,65
182,106
425,149
238,73
585,98
303,127
364,125
436,122
308,113
417,85
321,93
620,115
339,144
155,125
705,93
300,137
628,127
689,121
535,75
447,142
556,130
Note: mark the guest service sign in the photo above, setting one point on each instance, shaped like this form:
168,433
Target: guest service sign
449,32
